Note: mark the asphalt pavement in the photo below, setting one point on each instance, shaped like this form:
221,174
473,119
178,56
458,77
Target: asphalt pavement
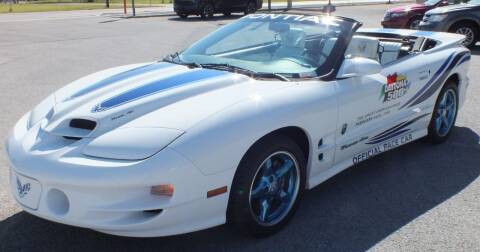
419,197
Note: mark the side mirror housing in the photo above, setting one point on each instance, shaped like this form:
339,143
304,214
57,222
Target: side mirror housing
357,67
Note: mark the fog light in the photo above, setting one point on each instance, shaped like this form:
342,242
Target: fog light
163,190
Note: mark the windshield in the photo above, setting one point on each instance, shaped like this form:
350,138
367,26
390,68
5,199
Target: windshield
431,2
291,45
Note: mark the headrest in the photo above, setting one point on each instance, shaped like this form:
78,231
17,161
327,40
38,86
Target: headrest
363,46
294,37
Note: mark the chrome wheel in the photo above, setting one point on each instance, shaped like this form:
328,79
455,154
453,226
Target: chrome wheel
446,112
275,188
469,35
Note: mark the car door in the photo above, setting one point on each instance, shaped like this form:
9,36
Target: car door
370,107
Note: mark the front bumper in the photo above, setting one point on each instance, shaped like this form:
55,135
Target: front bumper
394,23
112,196
432,26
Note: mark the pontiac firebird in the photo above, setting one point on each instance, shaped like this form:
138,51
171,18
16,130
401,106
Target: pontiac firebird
234,128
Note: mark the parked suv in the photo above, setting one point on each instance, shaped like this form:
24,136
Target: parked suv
462,18
207,8
409,16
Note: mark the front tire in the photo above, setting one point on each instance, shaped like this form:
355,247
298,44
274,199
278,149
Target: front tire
470,31
414,23
444,114
267,187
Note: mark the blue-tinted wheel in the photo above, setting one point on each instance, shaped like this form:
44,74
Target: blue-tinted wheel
267,186
274,188
444,114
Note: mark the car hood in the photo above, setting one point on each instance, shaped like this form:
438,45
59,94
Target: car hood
146,95
451,8
409,8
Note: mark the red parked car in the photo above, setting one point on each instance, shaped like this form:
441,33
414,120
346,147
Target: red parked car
409,16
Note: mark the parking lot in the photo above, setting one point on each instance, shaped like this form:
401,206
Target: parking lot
416,198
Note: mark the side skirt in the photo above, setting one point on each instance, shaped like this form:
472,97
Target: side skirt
359,157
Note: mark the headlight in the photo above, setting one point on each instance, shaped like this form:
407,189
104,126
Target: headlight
398,14
131,143
436,18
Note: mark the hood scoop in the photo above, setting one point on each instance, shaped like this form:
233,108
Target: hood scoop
77,129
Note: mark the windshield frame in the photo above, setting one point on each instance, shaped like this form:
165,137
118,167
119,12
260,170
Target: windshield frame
327,69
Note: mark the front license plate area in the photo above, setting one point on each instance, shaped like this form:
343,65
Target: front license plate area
27,191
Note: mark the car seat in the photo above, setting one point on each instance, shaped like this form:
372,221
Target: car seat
292,43
363,46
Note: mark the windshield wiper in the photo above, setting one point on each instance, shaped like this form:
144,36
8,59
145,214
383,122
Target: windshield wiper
175,59
240,70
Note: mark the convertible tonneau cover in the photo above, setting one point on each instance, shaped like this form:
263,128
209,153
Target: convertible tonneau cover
445,39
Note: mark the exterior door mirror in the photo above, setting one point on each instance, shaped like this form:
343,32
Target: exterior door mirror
358,66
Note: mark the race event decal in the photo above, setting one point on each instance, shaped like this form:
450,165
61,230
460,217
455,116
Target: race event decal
396,87
395,142
374,115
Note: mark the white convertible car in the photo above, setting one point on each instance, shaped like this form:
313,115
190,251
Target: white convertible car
234,128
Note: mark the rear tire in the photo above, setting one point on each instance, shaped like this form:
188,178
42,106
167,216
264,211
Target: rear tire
469,30
267,186
444,114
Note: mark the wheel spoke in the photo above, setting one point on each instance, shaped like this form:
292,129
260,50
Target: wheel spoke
264,209
260,189
284,169
443,102
438,122
268,168
283,196
446,122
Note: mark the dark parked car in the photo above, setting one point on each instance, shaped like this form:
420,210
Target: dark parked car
409,16
207,8
462,18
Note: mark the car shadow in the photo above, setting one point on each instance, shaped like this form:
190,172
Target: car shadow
352,211
216,17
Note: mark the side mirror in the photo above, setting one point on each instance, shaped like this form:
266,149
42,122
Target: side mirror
443,3
358,66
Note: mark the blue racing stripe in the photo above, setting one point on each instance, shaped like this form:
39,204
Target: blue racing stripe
465,59
435,76
119,77
190,77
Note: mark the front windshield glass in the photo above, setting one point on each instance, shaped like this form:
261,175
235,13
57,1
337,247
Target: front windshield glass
473,1
431,2
291,45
